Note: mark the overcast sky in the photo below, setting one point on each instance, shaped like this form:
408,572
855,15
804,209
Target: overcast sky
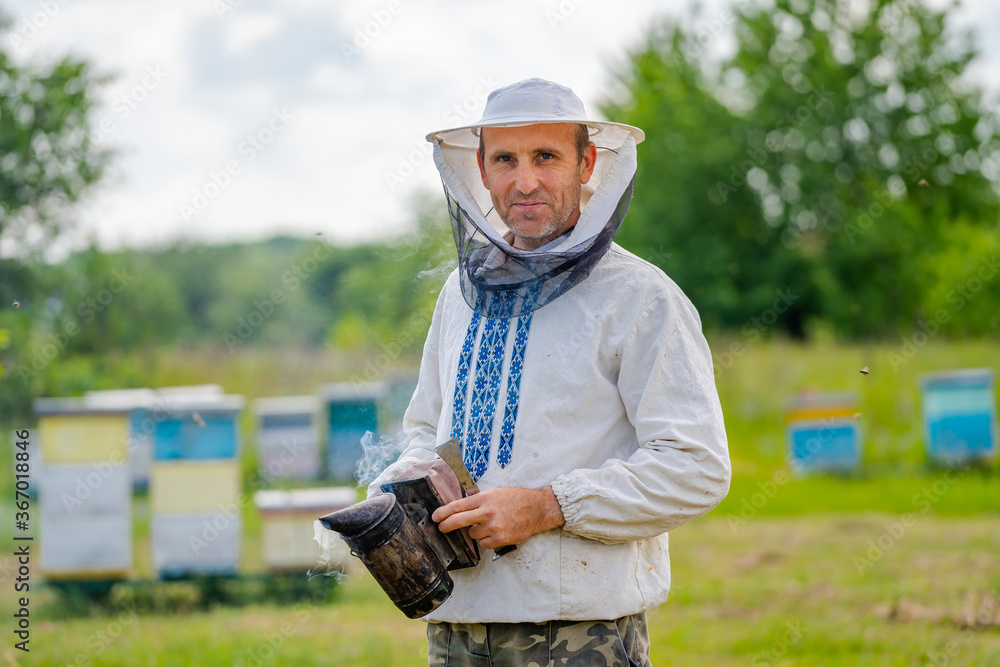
240,119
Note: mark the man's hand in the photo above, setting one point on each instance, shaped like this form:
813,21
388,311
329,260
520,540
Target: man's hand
499,517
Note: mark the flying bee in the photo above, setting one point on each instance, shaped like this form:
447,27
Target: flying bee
864,371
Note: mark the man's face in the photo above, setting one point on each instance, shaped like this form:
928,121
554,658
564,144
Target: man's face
534,177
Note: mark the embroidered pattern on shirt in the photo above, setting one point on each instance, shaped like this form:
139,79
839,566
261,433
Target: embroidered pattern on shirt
473,427
486,388
462,381
506,447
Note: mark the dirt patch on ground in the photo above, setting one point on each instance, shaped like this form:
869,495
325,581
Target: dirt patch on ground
978,610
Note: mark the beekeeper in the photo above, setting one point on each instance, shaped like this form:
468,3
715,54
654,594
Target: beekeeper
579,383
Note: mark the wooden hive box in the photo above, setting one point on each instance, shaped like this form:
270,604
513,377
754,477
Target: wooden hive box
196,544
195,483
959,412
139,404
823,433
350,410
288,520
85,491
288,437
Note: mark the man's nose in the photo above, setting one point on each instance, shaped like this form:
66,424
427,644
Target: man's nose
527,179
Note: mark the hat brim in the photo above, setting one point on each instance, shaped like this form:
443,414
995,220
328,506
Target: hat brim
596,126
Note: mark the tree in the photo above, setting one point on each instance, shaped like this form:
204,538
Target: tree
854,135
47,156
47,162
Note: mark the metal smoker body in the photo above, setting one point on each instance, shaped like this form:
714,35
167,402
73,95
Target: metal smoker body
396,539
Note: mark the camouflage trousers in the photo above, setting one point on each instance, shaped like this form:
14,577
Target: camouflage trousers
620,643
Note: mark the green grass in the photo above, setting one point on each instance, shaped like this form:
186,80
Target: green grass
787,586
778,550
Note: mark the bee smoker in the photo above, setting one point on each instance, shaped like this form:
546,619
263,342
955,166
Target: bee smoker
398,542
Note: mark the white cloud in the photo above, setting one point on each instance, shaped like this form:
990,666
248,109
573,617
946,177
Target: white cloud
243,30
354,154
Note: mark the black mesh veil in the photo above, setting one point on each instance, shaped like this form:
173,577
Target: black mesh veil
499,280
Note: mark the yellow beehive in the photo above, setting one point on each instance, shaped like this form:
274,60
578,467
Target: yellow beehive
288,520
192,486
83,438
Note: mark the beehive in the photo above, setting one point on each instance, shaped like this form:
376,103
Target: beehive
823,433
140,404
287,437
85,491
194,485
960,421
399,391
351,410
287,526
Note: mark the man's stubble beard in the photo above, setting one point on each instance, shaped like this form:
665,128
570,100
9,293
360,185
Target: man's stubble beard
553,229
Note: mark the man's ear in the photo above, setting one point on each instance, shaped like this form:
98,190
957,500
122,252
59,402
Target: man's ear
588,164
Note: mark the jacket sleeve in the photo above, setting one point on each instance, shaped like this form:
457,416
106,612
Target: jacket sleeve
421,417
681,468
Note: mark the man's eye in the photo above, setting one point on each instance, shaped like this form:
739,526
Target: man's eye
547,156
503,158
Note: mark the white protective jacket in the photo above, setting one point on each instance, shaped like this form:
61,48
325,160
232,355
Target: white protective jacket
616,410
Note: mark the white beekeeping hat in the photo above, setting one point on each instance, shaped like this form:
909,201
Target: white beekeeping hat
499,280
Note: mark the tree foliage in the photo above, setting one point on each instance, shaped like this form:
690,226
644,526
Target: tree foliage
47,156
834,156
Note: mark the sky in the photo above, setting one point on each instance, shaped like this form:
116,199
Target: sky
235,120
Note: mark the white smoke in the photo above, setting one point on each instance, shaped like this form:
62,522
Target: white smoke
336,556
439,273
378,457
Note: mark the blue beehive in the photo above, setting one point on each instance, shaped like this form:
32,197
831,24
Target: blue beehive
823,433
195,483
351,410
960,422
399,391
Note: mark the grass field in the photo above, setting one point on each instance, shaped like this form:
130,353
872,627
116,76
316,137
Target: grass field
779,591
898,564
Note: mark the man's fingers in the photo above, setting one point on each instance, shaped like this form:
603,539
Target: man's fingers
446,517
